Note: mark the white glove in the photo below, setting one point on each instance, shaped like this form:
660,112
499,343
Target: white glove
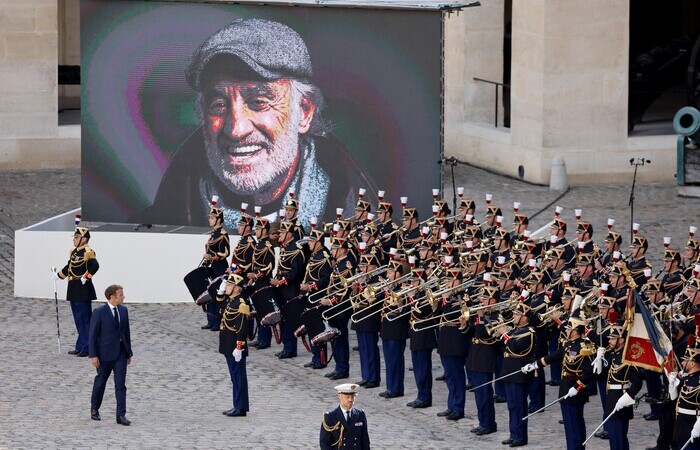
673,383
527,368
624,402
222,288
54,276
598,361
695,432
572,392
237,354
83,280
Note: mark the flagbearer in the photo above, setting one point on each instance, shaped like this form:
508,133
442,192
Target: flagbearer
687,390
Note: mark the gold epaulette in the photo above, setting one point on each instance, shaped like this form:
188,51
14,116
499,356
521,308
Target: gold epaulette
244,309
89,253
587,348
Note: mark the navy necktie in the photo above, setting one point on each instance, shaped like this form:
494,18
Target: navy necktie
116,316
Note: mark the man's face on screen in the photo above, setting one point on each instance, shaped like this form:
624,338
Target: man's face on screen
252,133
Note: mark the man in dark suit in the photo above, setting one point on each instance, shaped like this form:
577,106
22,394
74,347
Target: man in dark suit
110,350
345,427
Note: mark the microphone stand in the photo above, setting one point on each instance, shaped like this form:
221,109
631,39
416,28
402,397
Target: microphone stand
636,163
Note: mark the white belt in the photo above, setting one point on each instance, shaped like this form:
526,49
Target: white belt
690,412
617,387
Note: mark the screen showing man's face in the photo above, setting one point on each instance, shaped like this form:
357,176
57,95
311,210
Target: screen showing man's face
252,133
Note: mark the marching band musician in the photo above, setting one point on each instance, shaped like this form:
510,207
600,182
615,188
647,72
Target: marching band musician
492,212
638,263
482,361
453,337
259,277
501,248
686,390
585,273
344,232
366,327
316,278
576,358
216,253
344,266
672,281
362,210
387,227
601,337
232,340
465,210
422,344
624,382
520,224
691,257
394,334
242,254
370,233
411,236
692,294
82,266
290,271
584,236
612,243
654,300
291,209
538,303
618,287
557,238
519,351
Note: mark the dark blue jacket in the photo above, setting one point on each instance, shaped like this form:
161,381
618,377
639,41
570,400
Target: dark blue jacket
339,434
105,338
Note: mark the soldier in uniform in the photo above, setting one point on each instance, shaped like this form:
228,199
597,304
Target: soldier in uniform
291,210
411,236
345,427
216,253
290,271
482,359
422,344
501,248
538,303
366,327
576,358
584,235
687,392
82,266
557,232
520,224
613,241
465,210
691,257
618,287
601,337
452,346
259,276
637,262
519,351
672,281
624,382
387,227
492,212
362,210
232,340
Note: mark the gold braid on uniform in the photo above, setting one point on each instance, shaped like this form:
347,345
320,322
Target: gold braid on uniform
330,429
232,319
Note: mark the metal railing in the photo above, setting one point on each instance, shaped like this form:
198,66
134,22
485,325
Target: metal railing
495,99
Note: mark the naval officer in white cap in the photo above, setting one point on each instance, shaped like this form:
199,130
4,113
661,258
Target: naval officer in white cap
345,427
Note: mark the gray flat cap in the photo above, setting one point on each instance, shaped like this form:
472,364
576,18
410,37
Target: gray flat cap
270,49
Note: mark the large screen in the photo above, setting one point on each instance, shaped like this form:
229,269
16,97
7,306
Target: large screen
183,101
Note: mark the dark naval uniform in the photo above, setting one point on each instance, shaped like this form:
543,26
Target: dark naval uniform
339,433
232,335
217,247
81,265
577,372
519,351
687,411
622,378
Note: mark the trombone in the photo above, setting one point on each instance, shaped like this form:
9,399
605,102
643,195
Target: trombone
371,292
396,296
345,282
490,328
463,311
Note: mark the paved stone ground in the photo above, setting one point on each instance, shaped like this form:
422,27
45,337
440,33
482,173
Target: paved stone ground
178,383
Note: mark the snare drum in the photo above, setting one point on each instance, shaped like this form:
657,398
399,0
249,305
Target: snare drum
197,282
267,310
318,329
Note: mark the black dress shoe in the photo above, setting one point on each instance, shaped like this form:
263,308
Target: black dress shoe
371,385
263,346
214,329
469,386
340,376
485,431
455,416
74,352
476,430
316,365
393,395
308,364
440,378
95,414
384,394
228,411
554,383
330,374
507,441
82,354
122,420
277,354
206,327
411,404
444,413
253,343
518,443
236,413
361,382
499,399
287,355
602,434
419,404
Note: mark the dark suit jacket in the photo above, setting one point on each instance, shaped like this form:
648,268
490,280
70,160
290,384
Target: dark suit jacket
105,338
355,435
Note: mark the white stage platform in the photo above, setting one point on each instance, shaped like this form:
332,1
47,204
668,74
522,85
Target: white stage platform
149,263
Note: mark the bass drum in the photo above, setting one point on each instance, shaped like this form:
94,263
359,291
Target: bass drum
197,282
